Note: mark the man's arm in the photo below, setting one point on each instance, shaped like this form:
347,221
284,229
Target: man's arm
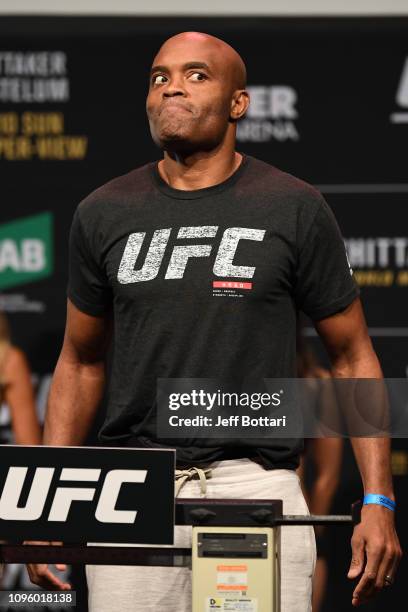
76,391
79,378
349,346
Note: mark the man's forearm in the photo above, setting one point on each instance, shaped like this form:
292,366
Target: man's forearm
373,459
372,454
75,394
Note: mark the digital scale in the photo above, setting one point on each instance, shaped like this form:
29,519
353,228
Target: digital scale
235,569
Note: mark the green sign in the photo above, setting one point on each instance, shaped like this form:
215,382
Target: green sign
26,250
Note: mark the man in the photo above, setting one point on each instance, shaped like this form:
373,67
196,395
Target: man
145,250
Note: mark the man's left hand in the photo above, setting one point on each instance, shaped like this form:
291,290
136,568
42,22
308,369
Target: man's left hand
376,552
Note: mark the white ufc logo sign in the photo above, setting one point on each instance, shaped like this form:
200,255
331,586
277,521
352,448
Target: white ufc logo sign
64,496
223,265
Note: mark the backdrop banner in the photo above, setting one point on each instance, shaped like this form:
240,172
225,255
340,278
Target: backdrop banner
329,104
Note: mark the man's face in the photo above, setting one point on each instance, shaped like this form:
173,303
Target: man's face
190,94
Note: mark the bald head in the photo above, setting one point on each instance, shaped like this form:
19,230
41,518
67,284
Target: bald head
226,55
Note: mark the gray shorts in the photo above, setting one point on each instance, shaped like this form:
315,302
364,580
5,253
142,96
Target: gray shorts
159,589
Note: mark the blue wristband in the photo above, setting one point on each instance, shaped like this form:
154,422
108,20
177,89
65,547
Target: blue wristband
380,500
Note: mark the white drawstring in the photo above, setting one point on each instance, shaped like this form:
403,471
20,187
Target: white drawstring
181,476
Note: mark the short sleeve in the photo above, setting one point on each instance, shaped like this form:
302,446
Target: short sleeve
88,287
325,284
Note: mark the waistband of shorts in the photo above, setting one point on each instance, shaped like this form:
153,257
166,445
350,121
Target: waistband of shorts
246,468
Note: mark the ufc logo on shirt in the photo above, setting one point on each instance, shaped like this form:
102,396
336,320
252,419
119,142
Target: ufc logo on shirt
63,497
223,265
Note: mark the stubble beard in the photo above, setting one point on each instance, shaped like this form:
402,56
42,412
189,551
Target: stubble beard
185,133
174,134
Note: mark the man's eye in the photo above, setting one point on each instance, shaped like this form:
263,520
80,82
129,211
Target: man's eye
159,79
197,76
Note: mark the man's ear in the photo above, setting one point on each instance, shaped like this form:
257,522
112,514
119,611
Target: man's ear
239,104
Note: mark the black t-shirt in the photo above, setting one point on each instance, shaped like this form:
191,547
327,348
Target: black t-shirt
204,284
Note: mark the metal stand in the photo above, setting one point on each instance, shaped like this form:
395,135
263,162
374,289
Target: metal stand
235,555
195,512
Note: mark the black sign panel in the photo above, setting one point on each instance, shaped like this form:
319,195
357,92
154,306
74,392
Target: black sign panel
80,495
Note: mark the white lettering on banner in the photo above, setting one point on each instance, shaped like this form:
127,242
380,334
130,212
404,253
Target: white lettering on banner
223,265
31,257
33,77
35,90
401,97
270,115
9,257
402,92
380,251
277,102
263,131
64,496
41,63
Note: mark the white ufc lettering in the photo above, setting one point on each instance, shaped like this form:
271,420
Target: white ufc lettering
64,496
181,254
223,264
105,512
149,270
36,498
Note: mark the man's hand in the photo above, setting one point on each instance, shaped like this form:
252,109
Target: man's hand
43,577
376,544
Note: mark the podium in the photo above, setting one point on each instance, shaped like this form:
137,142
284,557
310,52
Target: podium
235,554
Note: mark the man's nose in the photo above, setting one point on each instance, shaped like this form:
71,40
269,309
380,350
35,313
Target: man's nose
175,87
